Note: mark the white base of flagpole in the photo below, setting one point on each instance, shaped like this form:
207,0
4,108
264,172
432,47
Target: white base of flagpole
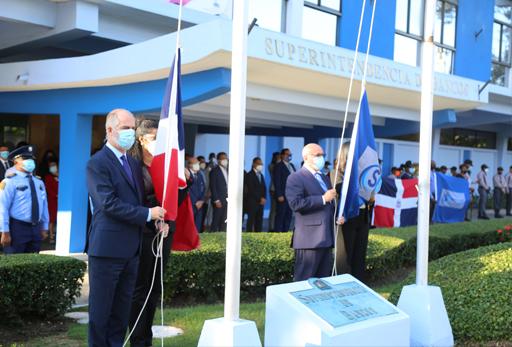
221,332
430,325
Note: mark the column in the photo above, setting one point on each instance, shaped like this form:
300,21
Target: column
75,149
436,141
294,10
501,147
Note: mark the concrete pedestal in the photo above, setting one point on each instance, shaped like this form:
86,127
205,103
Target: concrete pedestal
220,333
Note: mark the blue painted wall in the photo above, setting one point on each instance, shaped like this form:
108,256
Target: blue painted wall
382,44
473,57
387,158
76,107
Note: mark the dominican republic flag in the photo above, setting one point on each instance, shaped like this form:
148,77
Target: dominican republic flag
363,169
453,199
396,205
168,166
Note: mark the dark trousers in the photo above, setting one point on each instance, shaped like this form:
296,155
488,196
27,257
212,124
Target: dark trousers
25,238
219,218
283,217
111,285
498,197
315,262
355,235
142,336
254,217
198,217
482,201
508,199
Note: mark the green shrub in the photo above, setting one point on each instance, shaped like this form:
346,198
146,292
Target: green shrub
477,292
37,286
267,258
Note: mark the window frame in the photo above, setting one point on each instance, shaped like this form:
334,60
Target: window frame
441,44
317,6
408,33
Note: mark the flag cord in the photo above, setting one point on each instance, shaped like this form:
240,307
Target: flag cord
350,156
160,236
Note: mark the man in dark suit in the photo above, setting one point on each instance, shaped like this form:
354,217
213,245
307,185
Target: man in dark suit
311,196
281,172
197,191
114,182
255,195
4,162
219,189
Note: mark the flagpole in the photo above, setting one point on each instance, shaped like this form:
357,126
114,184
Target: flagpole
427,96
230,330
430,325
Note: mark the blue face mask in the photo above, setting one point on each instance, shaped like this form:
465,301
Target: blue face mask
126,138
290,158
29,165
4,154
319,162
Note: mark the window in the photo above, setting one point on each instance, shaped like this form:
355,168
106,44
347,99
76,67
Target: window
320,20
409,31
444,35
468,138
13,129
501,42
268,12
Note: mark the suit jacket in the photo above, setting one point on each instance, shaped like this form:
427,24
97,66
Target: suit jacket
254,189
280,176
314,221
118,215
197,188
2,171
218,185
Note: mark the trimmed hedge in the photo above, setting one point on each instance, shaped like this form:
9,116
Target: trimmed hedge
477,292
267,258
37,286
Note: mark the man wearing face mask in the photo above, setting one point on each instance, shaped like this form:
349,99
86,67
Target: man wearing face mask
255,191
408,171
310,195
483,190
116,188
219,189
23,205
197,191
281,172
4,163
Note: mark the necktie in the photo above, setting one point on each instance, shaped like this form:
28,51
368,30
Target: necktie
35,202
127,169
259,177
321,181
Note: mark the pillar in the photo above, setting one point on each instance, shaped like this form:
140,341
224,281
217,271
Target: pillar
294,12
75,149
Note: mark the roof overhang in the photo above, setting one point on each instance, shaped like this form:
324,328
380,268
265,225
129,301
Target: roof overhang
274,59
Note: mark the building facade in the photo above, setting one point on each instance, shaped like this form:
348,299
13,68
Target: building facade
65,64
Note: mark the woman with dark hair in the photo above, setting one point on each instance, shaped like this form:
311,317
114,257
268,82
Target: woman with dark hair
51,182
43,167
143,150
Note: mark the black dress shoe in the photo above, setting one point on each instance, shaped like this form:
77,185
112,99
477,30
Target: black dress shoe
483,217
498,216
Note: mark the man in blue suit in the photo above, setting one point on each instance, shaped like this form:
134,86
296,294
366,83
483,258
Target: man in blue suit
281,172
219,189
197,191
114,182
311,198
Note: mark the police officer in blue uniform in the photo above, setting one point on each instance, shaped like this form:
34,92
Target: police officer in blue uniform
23,205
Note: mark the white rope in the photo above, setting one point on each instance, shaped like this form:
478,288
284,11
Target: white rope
348,164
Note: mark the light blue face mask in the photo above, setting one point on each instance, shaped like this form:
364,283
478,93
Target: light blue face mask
4,154
319,162
29,165
412,170
126,138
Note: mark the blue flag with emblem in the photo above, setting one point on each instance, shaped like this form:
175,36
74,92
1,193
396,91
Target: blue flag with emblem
452,199
365,175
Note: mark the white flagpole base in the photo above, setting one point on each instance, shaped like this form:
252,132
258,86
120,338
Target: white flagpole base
221,332
430,325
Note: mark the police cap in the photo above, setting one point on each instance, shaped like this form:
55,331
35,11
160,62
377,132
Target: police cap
24,152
